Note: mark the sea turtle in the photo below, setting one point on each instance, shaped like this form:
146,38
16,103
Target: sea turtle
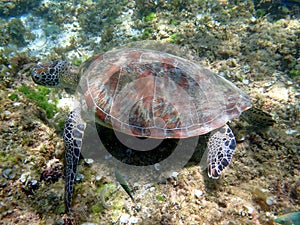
146,93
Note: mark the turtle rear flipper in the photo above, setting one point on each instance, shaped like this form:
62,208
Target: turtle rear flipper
73,135
221,145
257,118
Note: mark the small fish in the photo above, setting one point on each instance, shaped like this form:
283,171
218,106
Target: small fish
124,184
257,118
289,219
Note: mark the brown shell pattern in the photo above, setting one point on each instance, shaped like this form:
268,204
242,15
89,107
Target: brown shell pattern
148,93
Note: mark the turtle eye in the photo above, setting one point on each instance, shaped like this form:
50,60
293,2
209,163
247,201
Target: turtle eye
37,74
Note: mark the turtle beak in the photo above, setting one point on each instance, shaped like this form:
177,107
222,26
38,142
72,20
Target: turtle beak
45,74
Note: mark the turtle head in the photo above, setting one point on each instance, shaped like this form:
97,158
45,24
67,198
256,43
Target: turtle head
56,74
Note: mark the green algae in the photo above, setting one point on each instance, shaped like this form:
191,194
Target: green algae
174,22
97,208
13,96
79,61
41,97
173,37
294,73
147,33
260,13
160,198
60,209
5,157
150,17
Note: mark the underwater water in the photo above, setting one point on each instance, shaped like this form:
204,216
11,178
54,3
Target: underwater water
253,44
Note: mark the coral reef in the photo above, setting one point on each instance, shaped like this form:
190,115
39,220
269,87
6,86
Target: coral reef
17,7
13,32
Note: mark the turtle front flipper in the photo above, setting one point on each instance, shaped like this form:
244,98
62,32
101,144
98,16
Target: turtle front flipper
221,145
73,135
